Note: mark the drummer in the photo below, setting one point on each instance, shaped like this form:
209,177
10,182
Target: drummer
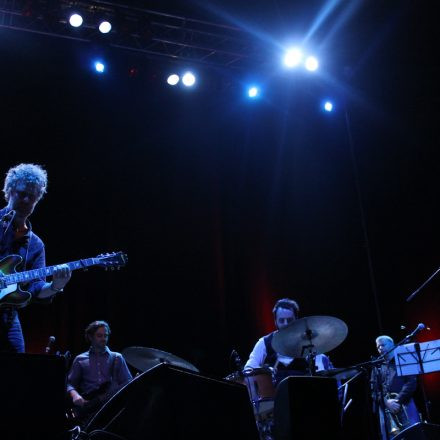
285,312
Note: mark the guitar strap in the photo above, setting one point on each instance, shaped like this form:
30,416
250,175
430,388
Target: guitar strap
24,248
6,235
112,366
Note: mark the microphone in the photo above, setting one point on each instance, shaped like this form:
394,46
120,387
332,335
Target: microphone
418,329
235,357
49,344
7,219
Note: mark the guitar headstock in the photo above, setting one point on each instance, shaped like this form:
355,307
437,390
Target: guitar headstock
114,260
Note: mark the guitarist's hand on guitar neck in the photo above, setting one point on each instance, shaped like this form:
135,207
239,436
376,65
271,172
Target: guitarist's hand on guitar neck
61,276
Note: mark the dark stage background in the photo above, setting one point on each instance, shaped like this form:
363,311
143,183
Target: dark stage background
225,205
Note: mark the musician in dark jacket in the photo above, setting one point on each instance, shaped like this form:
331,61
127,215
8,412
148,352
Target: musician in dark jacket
392,394
98,373
24,186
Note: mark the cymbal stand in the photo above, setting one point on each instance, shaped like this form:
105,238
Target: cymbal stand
310,352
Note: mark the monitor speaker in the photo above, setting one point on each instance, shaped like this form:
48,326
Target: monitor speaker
420,431
168,402
307,407
33,396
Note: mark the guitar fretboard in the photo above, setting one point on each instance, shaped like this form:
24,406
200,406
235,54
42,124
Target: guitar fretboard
34,274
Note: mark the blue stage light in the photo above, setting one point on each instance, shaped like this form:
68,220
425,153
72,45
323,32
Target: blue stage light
253,92
99,66
293,57
311,63
328,106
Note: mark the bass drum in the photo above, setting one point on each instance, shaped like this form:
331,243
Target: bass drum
260,385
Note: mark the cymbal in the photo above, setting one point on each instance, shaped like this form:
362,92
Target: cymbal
144,358
319,334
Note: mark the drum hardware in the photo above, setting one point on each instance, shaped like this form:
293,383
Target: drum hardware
340,374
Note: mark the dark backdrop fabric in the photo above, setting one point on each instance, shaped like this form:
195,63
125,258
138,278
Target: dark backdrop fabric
225,205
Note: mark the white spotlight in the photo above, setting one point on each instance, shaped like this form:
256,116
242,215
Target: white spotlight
253,92
311,64
188,79
75,20
293,57
105,27
173,79
328,106
99,66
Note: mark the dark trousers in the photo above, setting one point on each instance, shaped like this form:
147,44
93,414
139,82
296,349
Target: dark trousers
11,335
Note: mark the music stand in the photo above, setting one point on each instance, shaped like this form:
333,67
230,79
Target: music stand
417,358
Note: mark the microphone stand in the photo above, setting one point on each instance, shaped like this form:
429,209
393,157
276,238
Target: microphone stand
427,404
378,396
417,348
411,297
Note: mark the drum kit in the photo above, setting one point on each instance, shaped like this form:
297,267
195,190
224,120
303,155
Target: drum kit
305,338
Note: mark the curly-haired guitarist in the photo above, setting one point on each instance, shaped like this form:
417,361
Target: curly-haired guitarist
22,250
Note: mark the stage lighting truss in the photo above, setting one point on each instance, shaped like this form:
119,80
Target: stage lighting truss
153,33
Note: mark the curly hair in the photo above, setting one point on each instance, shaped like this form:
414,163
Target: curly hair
27,173
93,326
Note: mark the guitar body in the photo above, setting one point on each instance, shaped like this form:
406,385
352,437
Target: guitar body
12,295
81,415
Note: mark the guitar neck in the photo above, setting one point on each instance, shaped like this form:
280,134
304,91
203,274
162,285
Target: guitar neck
35,274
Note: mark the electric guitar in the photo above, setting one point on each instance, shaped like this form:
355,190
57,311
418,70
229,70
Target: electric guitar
81,415
11,293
